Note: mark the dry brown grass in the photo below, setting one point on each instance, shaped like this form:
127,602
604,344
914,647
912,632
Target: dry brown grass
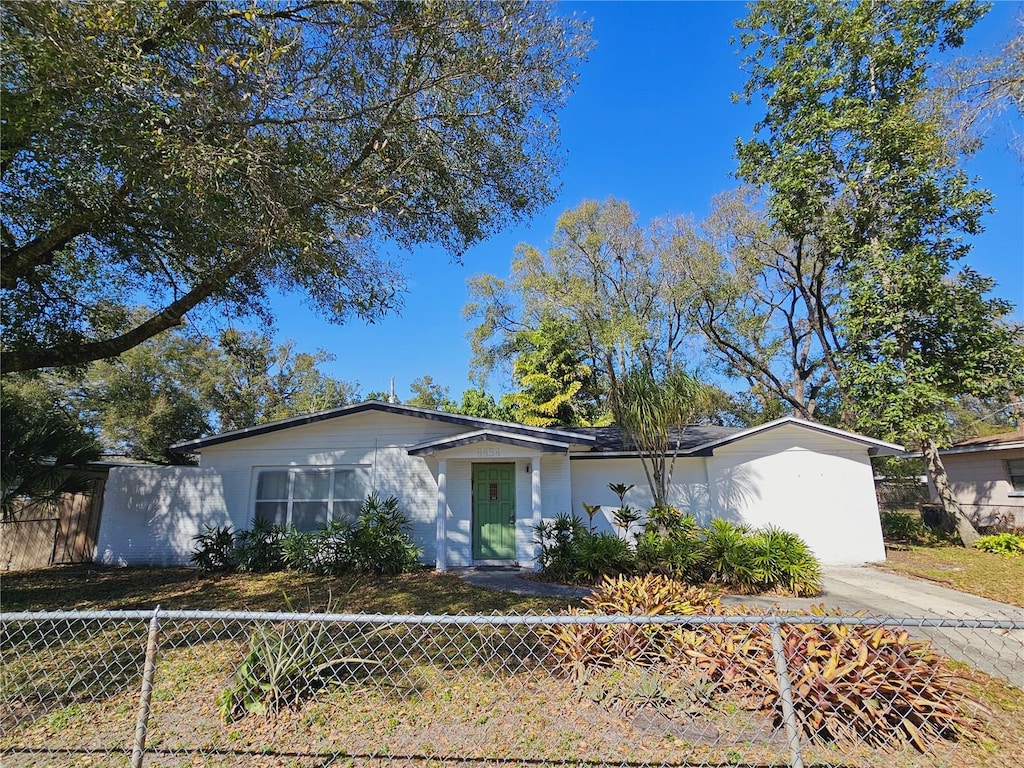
94,587
968,570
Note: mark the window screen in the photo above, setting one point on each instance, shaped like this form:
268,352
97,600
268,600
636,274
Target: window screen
306,498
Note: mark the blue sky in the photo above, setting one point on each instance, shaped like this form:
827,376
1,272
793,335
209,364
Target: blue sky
651,122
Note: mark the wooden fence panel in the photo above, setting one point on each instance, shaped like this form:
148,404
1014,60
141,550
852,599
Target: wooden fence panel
40,536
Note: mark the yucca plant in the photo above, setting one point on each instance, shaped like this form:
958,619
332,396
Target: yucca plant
285,663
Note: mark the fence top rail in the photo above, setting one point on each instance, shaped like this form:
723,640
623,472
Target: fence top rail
510,619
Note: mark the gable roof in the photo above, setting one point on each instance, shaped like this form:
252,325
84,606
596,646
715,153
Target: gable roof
599,442
473,423
1001,442
703,439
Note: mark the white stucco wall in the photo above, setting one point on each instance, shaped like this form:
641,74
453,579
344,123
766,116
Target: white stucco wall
812,484
590,479
815,485
151,514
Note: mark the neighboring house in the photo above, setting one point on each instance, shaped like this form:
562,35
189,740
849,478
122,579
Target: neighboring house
475,489
987,477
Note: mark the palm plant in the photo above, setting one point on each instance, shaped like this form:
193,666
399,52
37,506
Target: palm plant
42,453
652,414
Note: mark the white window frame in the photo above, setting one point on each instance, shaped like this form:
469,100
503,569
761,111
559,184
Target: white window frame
1015,475
295,471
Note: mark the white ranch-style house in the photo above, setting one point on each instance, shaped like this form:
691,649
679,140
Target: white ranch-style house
475,489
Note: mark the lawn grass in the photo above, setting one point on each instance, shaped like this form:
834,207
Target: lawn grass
96,587
968,570
487,702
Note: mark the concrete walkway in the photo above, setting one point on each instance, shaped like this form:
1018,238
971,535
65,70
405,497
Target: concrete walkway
877,593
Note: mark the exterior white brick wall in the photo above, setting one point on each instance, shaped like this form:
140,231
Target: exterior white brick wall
151,514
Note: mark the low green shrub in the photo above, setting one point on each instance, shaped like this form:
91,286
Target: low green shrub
1005,544
259,550
378,542
902,527
558,540
215,549
598,555
782,559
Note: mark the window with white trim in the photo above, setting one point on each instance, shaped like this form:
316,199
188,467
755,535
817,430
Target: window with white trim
1015,470
305,497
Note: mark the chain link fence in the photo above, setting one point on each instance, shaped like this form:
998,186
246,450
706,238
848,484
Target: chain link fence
197,688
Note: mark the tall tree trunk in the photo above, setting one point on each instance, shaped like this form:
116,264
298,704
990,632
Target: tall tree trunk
937,474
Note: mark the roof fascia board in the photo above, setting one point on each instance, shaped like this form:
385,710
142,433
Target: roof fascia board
875,447
191,446
968,449
457,441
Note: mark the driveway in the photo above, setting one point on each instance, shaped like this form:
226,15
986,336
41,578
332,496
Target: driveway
998,652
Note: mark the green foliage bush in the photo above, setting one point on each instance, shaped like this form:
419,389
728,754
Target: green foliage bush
601,554
259,550
570,552
903,527
673,544
559,542
377,542
215,549
1005,544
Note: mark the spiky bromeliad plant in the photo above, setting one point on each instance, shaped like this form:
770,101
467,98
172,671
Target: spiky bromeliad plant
851,683
580,647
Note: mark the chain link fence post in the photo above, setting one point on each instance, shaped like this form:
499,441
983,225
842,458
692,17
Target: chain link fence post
789,718
146,694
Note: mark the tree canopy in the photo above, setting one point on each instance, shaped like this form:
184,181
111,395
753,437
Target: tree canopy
855,166
610,282
184,152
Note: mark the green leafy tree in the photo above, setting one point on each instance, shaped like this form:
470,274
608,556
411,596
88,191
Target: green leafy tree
908,369
482,405
556,385
855,165
150,397
426,393
253,381
612,282
42,451
653,414
194,152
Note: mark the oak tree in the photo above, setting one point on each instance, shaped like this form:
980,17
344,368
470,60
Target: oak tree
186,152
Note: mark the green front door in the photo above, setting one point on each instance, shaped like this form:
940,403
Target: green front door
494,511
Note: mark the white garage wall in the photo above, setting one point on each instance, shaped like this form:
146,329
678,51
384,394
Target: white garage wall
812,484
151,514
